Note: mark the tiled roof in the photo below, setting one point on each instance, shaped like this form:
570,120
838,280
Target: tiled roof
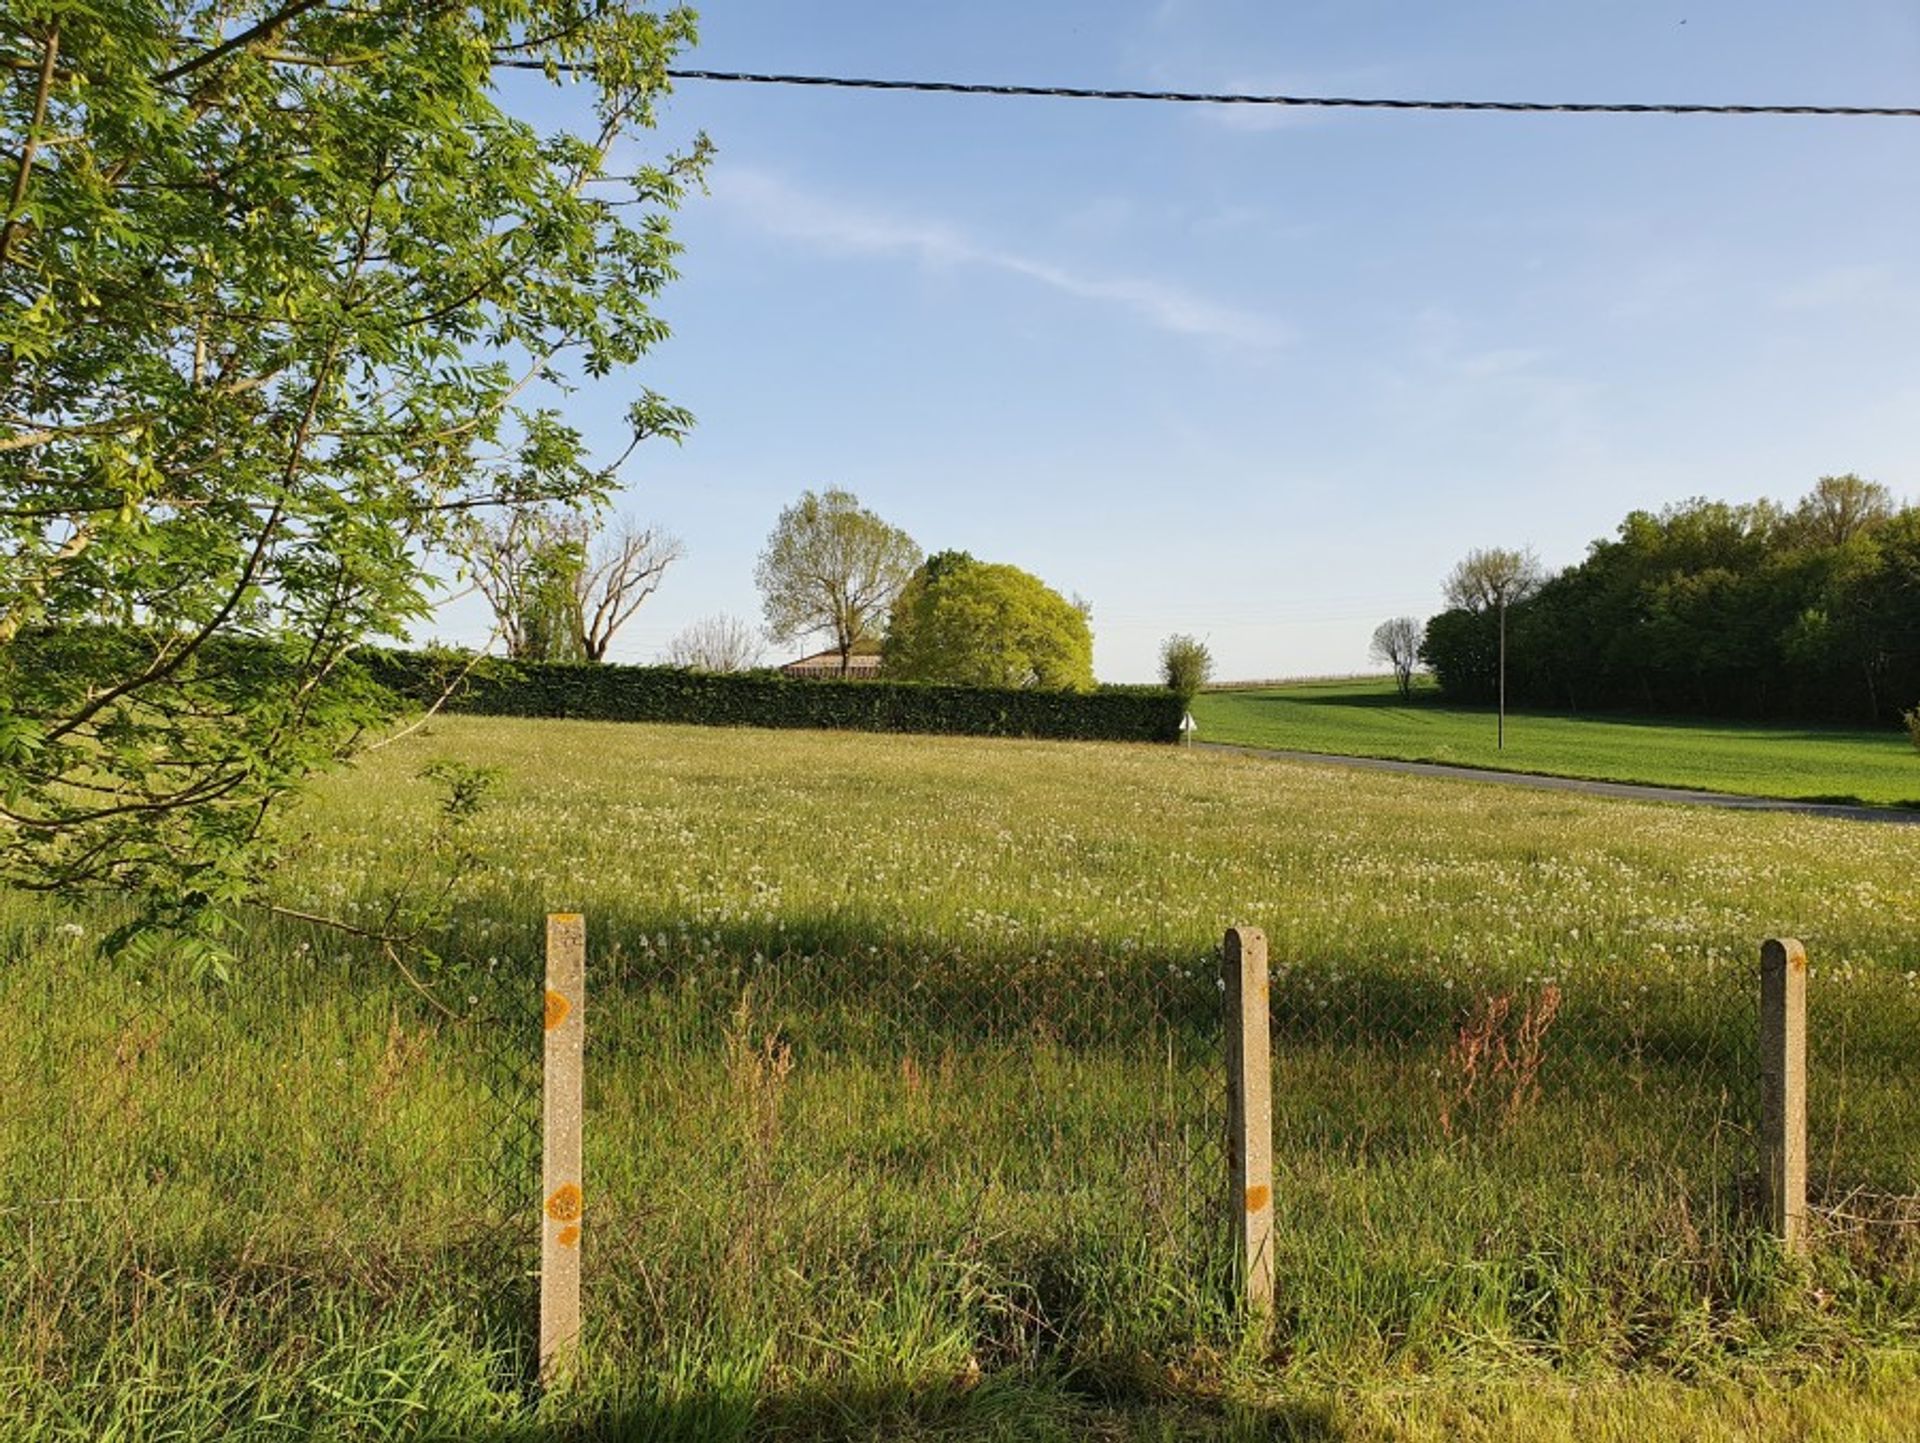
828,662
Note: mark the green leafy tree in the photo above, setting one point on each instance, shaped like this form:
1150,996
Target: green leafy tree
1719,608
528,564
1185,665
284,291
973,623
832,566
1840,508
1492,581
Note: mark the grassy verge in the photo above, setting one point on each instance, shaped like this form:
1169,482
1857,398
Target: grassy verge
1368,719
904,1119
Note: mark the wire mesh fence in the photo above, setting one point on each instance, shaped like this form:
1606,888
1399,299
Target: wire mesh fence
806,1134
837,1137
184,1153
1863,1106
1498,1147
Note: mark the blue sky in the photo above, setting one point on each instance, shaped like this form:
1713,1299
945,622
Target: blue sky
1264,377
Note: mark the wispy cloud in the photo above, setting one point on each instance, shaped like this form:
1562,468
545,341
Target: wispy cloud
847,228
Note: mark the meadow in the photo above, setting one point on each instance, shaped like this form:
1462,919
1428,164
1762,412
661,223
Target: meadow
904,1113
1367,718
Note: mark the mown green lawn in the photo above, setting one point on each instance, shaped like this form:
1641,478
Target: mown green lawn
1368,719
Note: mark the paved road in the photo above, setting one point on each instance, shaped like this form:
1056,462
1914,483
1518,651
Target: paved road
1623,791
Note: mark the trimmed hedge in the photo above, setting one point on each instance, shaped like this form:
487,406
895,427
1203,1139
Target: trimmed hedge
603,692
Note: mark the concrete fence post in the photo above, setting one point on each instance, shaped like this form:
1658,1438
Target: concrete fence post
1783,1089
562,1212
1250,1116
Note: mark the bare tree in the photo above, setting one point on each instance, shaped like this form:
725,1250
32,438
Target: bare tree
557,592
1493,580
617,573
1396,642
717,643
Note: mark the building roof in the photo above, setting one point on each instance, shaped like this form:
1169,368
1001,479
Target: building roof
827,663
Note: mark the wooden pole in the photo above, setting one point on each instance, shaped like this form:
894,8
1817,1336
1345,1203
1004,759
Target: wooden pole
1500,735
1250,1116
563,1212
1783,1089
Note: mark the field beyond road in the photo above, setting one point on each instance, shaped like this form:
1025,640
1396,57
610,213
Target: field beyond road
904,1110
1368,719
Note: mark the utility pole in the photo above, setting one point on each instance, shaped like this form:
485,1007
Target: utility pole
1500,729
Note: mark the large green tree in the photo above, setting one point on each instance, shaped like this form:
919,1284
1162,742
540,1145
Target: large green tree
832,566
974,623
1718,608
285,290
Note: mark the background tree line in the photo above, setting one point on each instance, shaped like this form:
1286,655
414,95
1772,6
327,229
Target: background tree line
1714,608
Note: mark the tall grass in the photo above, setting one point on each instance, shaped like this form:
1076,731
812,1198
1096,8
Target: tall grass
904,1104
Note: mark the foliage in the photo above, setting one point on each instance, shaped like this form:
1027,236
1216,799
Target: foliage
1185,665
490,686
1368,719
974,623
717,643
527,563
284,291
832,566
1487,580
1462,650
1719,609
1397,642
1840,508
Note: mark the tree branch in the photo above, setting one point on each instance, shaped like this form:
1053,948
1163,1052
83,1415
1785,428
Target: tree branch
19,198
260,31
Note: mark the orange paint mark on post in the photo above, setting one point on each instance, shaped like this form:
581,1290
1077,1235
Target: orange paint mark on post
1258,1197
561,1173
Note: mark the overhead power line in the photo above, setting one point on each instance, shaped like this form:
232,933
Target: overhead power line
1298,102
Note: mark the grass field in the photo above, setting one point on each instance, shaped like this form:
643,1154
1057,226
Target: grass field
901,1120
1368,719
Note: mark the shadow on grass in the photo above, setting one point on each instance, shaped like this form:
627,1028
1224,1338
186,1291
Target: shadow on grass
1023,1409
845,981
1362,701
1435,702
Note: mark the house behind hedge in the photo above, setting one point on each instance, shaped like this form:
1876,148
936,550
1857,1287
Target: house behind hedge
863,665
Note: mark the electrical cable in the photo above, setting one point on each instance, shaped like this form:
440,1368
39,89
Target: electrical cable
1303,102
